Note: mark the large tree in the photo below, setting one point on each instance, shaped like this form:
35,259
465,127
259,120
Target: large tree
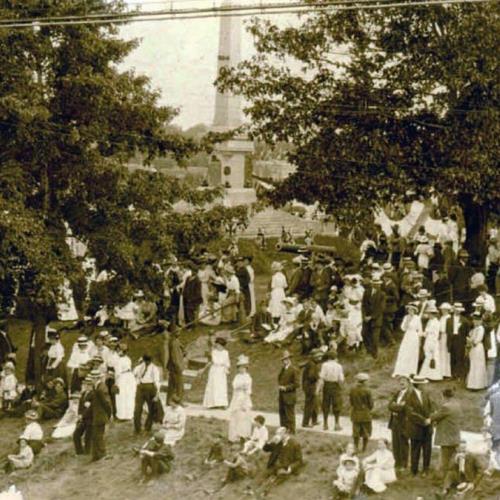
69,122
381,105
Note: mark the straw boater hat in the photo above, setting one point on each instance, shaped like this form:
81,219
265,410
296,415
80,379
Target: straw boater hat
417,379
242,360
82,340
104,334
423,293
387,267
446,306
457,306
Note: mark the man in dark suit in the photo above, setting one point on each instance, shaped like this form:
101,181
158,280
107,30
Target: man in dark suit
287,384
191,294
390,309
446,419
101,413
361,401
372,308
464,472
320,282
175,366
295,278
6,345
244,278
418,427
310,377
83,427
457,330
397,419
460,274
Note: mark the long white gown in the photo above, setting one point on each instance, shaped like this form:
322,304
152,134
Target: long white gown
240,420
174,424
477,378
251,287
380,470
444,354
127,386
431,351
67,425
407,360
66,310
278,285
216,389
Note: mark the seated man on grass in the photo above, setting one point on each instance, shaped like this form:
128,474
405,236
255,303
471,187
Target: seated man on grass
285,459
54,404
156,457
463,474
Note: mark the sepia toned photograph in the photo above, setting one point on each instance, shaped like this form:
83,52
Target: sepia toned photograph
249,249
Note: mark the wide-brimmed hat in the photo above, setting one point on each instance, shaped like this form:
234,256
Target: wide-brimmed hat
347,458
423,293
221,340
387,266
9,365
31,415
458,306
276,266
285,355
82,340
104,334
95,374
362,377
242,360
288,300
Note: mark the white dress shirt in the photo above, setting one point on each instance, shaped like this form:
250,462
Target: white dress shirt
33,432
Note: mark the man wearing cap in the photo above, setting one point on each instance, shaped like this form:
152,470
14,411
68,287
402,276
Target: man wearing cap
373,306
147,376
287,384
100,407
361,401
310,377
457,332
331,378
83,427
156,457
418,425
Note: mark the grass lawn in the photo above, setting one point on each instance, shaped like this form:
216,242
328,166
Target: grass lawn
58,474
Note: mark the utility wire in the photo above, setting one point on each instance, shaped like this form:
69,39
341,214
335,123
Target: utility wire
243,12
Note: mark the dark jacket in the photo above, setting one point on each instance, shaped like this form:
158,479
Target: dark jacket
192,292
290,455
416,412
310,375
85,412
373,304
100,405
289,379
471,474
295,280
175,354
397,418
446,419
391,297
361,404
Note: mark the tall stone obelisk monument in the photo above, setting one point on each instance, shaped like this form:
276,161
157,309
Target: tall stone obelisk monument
229,170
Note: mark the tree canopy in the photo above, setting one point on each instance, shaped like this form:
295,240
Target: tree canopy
70,120
381,106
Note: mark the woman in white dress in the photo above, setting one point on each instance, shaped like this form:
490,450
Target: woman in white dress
278,286
445,357
407,360
431,367
379,468
174,421
477,378
251,285
206,275
55,356
230,299
127,385
353,296
287,323
216,389
240,421
67,425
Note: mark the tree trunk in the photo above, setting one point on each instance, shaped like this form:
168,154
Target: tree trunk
476,226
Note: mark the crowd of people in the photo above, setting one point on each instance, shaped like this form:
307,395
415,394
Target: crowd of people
423,297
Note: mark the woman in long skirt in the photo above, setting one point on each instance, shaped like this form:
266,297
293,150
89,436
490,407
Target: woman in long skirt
477,378
216,389
174,421
127,385
407,360
278,286
240,421
431,367
444,353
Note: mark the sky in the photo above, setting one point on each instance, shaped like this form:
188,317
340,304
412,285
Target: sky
180,57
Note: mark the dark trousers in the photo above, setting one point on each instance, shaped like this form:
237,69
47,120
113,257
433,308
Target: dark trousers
152,466
421,445
175,384
287,414
387,332
371,336
98,446
400,448
447,453
332,400
82,430
310,406
110,382
190,312
145,394
457,357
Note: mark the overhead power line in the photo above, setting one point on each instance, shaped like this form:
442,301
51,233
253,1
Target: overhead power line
237,11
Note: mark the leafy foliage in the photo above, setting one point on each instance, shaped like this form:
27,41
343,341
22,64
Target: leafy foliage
381,106
69,122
